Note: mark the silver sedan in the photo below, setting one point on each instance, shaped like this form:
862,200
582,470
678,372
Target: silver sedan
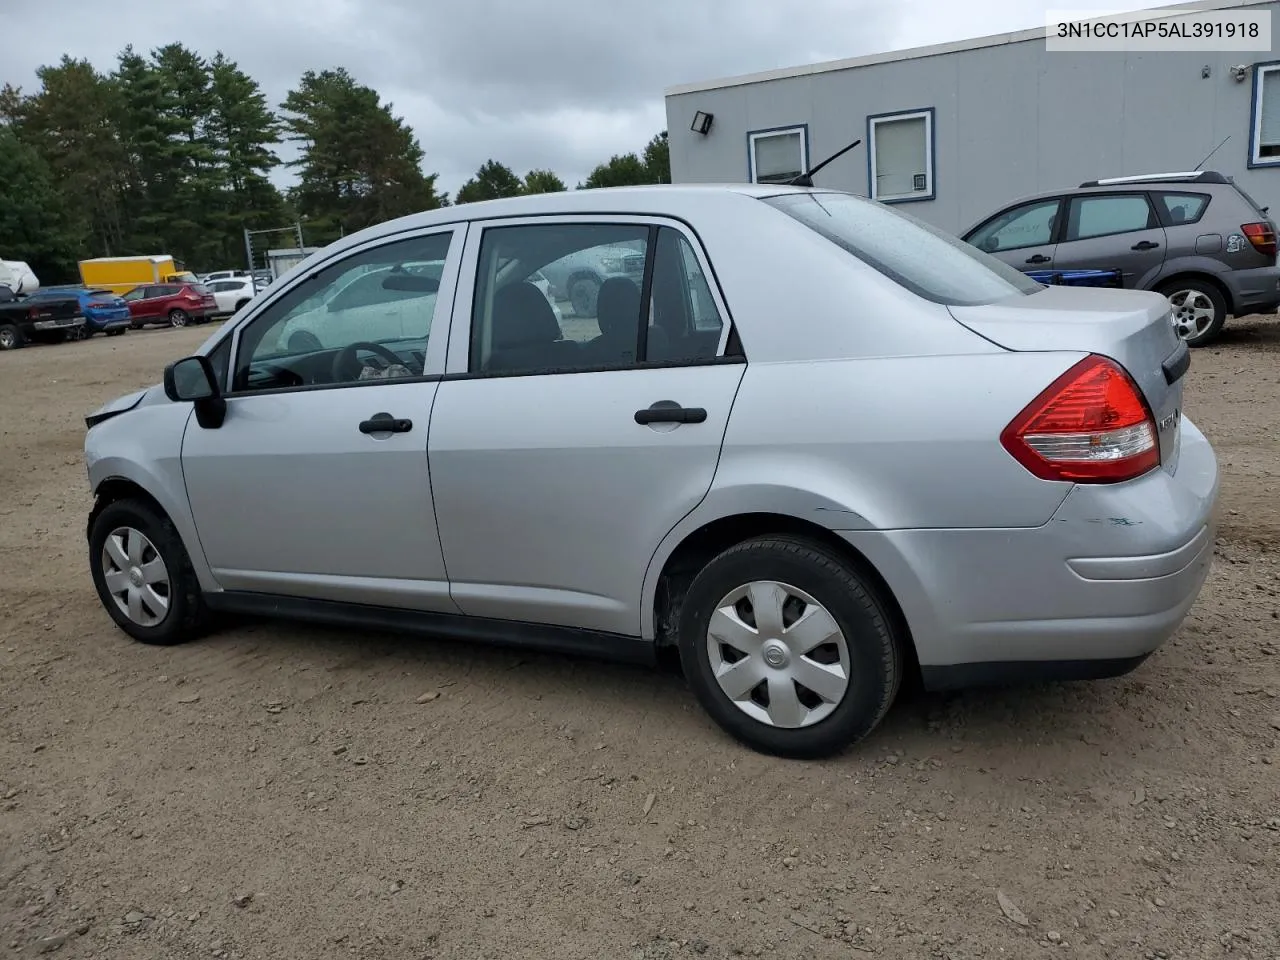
811,443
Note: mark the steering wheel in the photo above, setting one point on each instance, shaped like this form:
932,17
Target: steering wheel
346,364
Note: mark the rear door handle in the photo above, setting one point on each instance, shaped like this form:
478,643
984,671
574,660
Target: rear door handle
385,423
1039,258
668,411
1145,245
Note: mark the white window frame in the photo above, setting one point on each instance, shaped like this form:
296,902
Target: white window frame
929,193
1260,71
755,135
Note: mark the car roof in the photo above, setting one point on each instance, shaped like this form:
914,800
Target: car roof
650,200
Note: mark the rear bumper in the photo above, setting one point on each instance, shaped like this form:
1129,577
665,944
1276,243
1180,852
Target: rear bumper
1253,291
1091,593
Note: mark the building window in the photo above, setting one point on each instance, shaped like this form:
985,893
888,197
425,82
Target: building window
900,156
778,155
1264,139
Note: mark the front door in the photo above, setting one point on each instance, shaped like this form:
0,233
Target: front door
317,483
1117,231
1022,236
559,460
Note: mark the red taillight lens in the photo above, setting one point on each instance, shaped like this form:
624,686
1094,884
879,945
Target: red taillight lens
1261,236
1090,426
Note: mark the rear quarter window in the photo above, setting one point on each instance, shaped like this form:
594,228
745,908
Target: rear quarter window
930,263
1177,209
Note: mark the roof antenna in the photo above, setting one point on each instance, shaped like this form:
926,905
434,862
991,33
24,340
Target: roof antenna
1215,150
806,179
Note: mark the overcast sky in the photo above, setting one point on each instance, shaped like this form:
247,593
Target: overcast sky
560,84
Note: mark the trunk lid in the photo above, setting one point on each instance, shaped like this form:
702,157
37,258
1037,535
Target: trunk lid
1132,327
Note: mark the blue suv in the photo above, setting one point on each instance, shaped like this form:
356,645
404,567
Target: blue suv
104,312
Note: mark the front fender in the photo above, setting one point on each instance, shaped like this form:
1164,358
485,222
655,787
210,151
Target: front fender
144,447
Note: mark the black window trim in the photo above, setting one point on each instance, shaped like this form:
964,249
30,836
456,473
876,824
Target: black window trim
1059,224
734,352
1152,213
655,221
1162,211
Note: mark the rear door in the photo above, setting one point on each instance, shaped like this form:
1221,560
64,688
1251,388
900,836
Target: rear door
1113,231
561,452
1022,235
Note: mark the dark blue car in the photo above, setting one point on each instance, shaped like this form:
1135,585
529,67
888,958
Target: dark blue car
104,312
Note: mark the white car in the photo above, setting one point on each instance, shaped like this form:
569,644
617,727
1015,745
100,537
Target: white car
231,295
224,275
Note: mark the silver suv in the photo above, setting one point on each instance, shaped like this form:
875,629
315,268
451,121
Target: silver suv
1195,237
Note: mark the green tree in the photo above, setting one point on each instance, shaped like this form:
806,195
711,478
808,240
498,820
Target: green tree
628,169
33,225
542,181
492,180
657,158
72,123
359,164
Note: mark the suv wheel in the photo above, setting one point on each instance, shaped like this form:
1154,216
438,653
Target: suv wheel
788,648
1198,310
143,574
10,337
178,318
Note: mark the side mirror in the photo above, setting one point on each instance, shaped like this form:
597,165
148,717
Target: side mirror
192,379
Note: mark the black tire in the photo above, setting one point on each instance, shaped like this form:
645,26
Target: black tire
241,305
584,292
875,656
179,318
116,332
11,337
187,617
1204,288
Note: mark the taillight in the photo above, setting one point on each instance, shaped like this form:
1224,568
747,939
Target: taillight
1090,426
1261,236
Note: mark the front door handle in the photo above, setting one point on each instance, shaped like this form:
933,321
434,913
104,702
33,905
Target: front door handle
385,423
1145,245
1039,258
668,411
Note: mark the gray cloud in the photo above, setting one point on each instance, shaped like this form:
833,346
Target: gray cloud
559,84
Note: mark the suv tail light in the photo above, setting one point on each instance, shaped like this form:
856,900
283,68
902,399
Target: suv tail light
1261,236
1091,425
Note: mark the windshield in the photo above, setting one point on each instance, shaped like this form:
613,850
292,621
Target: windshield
928,262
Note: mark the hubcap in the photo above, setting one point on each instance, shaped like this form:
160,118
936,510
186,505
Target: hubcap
178,319
1192,313
7,339
778,655
136,576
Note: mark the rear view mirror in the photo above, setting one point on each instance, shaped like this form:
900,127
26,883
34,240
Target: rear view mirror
411,283
190,379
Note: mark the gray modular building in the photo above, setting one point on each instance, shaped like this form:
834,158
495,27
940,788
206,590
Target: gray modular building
956,130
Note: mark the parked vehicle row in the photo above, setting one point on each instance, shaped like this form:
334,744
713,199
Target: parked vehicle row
741,462
1195,237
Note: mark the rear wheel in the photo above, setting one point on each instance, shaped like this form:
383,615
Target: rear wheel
143,574
788,648
1199,310
179,318
10,337
241,305
116,332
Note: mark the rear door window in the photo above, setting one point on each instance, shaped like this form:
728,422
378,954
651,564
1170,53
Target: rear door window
1179,208
1108,214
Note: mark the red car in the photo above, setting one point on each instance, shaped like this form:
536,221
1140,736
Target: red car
175,304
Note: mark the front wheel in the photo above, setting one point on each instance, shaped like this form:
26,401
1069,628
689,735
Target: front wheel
10,337
788,647
1198,310
179,318
143,574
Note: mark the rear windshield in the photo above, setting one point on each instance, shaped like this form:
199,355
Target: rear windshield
928,262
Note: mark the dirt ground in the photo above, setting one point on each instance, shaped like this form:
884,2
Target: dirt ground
280,792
